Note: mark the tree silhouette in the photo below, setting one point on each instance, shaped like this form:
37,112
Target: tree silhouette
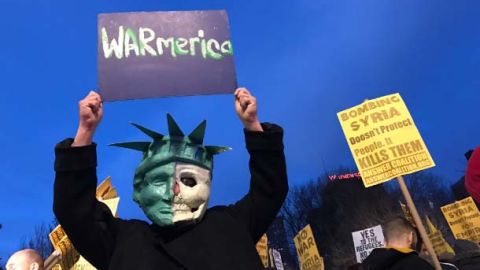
39,239
334,209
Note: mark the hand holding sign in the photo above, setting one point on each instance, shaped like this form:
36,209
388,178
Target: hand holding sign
90,113
246,108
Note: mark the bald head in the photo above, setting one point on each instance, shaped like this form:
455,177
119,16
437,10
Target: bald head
26,259
400,233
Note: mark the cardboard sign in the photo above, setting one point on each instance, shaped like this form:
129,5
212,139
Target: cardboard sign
436,237
364,241
60,242
158,54
464,219
262,249
307,252
277,258
408,214
384,140
70,259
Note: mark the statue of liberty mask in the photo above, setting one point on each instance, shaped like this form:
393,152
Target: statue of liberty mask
172,182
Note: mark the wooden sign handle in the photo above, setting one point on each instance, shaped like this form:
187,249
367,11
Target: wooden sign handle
418,222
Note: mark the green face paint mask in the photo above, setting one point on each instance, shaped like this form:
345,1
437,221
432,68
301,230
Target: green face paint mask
172,182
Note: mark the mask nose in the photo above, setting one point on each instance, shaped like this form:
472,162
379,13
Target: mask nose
176,188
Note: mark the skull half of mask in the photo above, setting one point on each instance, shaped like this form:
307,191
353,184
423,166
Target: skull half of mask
172,182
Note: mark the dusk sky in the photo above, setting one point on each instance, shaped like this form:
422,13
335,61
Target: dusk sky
304,60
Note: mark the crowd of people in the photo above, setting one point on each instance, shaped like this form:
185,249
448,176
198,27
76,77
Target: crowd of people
172,187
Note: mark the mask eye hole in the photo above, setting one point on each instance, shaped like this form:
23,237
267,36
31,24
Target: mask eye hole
188,181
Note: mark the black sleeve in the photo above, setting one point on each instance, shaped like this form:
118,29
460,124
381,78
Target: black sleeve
268,183
88,223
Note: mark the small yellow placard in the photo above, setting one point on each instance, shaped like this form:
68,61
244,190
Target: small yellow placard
262,249
307,251
440,245
384,140
464,219
70,259
408,214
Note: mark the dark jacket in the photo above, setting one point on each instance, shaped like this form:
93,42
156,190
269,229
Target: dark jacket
467,255
224,239
393,259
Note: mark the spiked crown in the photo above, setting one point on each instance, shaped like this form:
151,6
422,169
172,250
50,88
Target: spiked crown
174,147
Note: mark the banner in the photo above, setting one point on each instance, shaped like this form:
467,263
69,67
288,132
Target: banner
158,54
440,245
364,241
464,219
384,140
307,252
262,249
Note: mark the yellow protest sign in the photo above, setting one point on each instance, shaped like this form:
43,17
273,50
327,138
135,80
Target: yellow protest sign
384,140
464,219
70,259
106,190
408,214
112,204
436,237
61,243
307,251
262,249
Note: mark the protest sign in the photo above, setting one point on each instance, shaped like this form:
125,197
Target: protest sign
277,258
364,241
407,214
262,249
70,259
307,252
384,140
440,245
464,219
60,242
158,54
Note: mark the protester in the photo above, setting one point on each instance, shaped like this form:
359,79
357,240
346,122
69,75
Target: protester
172,186
467,255
26,259
400,238
472,175
458,188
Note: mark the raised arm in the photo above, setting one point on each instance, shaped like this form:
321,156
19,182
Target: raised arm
87,222
268,183
472,175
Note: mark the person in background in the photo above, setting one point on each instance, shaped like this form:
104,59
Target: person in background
472,175
26,259
400,238
467,255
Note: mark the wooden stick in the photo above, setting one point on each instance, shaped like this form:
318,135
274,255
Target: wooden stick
418,222
52,260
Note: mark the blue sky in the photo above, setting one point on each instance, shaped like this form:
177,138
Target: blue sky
304,60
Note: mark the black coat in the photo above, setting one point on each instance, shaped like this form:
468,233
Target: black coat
224,239
392,259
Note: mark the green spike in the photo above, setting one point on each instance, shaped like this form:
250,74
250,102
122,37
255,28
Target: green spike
153,134
196,136
173,129
215,150
139,146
